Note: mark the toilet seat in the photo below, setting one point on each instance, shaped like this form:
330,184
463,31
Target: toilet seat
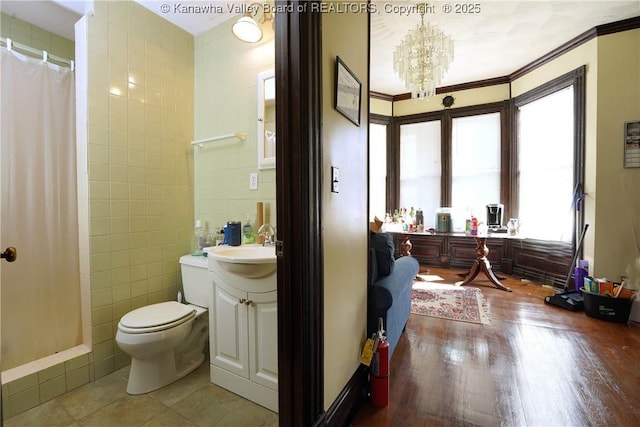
156,317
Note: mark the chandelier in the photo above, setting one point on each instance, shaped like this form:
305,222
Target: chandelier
423,57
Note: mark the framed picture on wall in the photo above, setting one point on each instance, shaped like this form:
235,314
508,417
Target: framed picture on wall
348,98
632,144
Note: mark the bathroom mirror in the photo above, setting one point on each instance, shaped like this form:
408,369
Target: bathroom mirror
266,120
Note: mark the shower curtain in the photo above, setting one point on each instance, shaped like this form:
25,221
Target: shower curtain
40,298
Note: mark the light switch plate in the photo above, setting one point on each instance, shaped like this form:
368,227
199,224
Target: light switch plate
335,179
253,181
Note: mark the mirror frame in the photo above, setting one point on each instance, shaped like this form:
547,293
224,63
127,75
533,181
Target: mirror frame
263,161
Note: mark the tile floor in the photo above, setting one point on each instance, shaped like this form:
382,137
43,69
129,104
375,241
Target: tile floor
191,401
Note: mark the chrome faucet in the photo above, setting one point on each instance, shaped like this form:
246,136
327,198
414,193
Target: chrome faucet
266,231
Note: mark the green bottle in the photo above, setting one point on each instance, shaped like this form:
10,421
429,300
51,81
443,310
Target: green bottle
247,233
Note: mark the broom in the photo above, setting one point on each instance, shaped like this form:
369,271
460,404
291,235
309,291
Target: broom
575,259
571,300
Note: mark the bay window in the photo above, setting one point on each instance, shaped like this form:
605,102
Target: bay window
475,163
377,170
545,167
525,153
452,159
420,168
549,147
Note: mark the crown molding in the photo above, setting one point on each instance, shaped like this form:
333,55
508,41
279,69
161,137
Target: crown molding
381,96
600,30
473,85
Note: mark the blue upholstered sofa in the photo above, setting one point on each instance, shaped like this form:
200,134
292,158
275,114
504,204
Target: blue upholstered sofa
390,284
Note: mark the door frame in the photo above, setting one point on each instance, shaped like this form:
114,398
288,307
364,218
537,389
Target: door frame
298,69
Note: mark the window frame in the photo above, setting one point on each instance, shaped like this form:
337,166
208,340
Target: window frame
399,168
446,117
380,119
575,79
508,110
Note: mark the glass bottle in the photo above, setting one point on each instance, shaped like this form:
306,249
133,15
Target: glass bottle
197,240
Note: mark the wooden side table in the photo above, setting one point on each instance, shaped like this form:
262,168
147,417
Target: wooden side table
482,263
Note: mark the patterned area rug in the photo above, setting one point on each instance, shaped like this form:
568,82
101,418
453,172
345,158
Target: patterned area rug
450,302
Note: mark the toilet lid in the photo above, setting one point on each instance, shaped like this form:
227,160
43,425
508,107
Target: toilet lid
156,317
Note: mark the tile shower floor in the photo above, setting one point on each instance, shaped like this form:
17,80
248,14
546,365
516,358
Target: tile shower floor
190,401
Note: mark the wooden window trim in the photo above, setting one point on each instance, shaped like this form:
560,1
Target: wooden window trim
577,79
380,119
446,118
509,141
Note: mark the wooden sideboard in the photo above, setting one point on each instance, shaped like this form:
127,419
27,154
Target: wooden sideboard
538,260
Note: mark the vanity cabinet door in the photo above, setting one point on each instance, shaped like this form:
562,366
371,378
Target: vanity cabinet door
228,336
263,339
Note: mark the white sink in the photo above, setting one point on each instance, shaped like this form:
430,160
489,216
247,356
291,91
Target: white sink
250,261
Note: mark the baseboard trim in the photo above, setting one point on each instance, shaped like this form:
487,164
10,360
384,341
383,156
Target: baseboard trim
350,400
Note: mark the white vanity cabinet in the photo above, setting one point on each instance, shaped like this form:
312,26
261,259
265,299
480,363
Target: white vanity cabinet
243,339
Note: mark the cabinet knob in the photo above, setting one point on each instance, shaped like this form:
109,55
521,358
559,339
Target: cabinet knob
248,302
242,301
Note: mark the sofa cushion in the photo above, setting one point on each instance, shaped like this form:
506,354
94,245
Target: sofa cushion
384,248
390,298
373,266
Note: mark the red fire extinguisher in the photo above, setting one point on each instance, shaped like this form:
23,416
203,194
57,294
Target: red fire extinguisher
380,371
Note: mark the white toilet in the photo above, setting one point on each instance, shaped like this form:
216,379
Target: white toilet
166,341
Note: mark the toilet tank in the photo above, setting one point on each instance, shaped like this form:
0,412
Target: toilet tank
195,280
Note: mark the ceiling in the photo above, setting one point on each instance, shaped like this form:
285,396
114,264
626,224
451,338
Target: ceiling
502,37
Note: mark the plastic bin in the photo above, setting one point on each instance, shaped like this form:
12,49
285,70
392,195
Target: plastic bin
607,308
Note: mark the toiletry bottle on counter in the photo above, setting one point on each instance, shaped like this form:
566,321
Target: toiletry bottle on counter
234,233
247,233
197,241
219,237
208,238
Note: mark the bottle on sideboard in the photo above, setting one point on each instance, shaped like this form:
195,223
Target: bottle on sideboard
474,226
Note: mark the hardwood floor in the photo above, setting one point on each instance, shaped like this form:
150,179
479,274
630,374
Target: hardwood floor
535,365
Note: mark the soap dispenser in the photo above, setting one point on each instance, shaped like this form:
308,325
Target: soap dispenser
247,233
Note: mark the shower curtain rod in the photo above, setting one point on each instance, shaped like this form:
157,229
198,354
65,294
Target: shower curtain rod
46,56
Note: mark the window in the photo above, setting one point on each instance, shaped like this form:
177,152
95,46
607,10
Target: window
546,166
377,170
526,153
475,164
452,159
420,168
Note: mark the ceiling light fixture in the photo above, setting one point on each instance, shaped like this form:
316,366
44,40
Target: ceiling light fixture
247,28
423,56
